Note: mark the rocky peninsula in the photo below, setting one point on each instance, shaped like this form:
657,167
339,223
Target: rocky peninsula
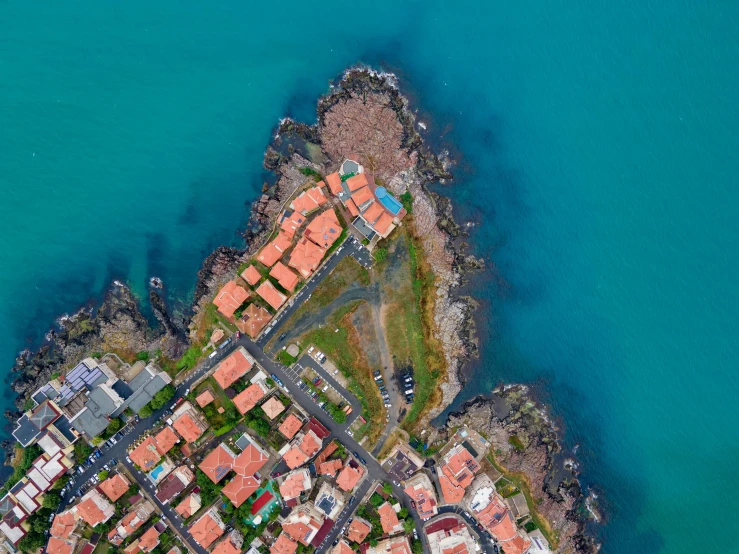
366,114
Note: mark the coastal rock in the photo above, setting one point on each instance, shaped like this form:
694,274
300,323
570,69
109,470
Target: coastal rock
174,342
217,268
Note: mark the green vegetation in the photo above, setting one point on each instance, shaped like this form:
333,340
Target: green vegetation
416,546
530,526
407,200
336,413
516,443
189,358
143,356
347,176
387,488
82,451
380,254
23,461
28,404
259,425
162,397
209,491
146,411
376,500
52,500
310,172
240,310
103,475
286,359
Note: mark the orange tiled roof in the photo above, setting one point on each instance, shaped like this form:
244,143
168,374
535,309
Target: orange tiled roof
59,546
358,530
517,545
149,539
236,365
330,467
342,548
248,398
349,477
457,471
206,530
230,297
253,320
187,427
274,250
292,223
64,524
424,498
309,200
251,460
239,489
450,490
166,439
146,455
251,275
294,457
306,256
325,229
334,182
115,487
283,545
89,511
362,196
273,407
310,444
204,398
357,181
189,505
373,213
294,485
388,518
271,295
218,463
290,426
288,279
352,207
383,224
225,547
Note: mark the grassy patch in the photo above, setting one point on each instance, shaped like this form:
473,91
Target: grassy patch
310,172
286,359
407,200
516,443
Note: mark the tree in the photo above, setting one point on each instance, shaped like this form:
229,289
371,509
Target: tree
409,525
32,542
374,542
416,546
387,488
103,475
403,513
162,397
52,500
114,426
146,411
260,426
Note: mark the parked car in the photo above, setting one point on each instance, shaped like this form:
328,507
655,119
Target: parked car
324,389
376,373
212,354
282,336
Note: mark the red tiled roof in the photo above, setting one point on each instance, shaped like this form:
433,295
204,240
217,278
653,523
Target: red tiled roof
187,427
318,428
166,439
352,207
204,398
239,489
357,181
251,460
271,295
225,547
290,426
149,539
59,546
288,279
261,502
358,530
248,398
309,200
373,213
236,365
274,250
334,182
342,548
294,457
362,196
146,455
115,487
349,477
189,505
325,229
330,467
253,320
292,223
230,297
383,224
89,511
218,463
273,407
284,545
64,524
205,530
306,256
251,275
388,518
294,484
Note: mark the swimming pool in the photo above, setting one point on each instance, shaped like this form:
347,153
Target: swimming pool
156,472
388,200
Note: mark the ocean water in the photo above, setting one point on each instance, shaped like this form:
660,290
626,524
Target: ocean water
596,147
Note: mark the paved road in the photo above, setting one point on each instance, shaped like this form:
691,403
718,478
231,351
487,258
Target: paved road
486,543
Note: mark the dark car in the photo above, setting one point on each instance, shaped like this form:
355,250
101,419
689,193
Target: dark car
282,336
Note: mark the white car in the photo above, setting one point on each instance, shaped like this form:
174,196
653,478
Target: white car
212,355
387,405
325,388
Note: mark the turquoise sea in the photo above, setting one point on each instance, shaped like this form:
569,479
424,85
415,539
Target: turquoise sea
597,151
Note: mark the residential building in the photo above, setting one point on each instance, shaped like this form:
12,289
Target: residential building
230,544
251,275
295,483
306,257
204,398
402,461
287,279
309,200
251,459
250,396
393,545
174,483
188,422
139,514
303,523
61,546
350,476
189,506
329,500
218,463
325,229
66,525
114,487
94,508
233,367
456,471
302,449
342,548
420,489
12,518
240,488
166,439
273,407
334,183
246,465
539,544
253,320
284,545
271,295
146,455
206,530
274,250
230,298
290,426
389,519
149,540
358,530
449,535
290,222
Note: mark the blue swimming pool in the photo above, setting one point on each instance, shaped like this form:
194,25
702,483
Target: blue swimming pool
388,200
155,472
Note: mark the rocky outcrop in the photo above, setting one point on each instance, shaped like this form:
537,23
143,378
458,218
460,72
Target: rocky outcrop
217,268
534,453
174,342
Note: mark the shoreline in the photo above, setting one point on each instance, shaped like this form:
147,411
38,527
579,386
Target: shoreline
118,325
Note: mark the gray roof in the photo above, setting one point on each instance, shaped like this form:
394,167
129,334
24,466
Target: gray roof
43,415
326,504
25,432
143,395
243,441
142,377
89,423
63,426
80,377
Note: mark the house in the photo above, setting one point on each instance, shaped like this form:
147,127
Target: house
329,467
139,514
253,320
456,471
274,250
12,518
65,525
229,545
302,449
239,489
342,548
189,506
325,229
287,279
358,530
229,298
389,519
166,439
246,465
334,183
61,546
273,407
251,275
356,182
329,500
303,523
204,398
491,511
420,489
283,545
290,222
94,508
233,367
174,484
295,483
271,295
350,476
449,535
146,455
251,460
188,422
218,463
402,461
362,198
309,200
206,530
393,545
290,426
306,257
115,487
249,397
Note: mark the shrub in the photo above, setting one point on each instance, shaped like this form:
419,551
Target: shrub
380,254
143,356
146,411
387,488
407,200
